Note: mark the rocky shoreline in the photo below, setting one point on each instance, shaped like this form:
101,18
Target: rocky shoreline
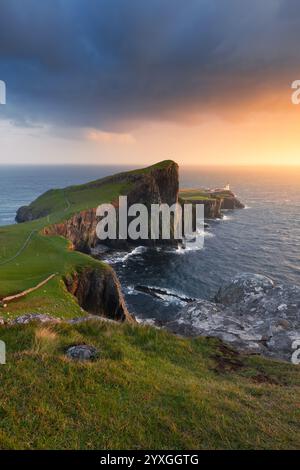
250,312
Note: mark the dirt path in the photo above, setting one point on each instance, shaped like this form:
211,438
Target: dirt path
26,243
68,203
28,291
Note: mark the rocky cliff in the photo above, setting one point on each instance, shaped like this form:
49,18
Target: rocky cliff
155,186
214,201
98,291
80,230
212,207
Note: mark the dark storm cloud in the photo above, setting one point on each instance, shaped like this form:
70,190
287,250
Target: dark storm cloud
100,63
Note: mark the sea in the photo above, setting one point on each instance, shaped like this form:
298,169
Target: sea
263,238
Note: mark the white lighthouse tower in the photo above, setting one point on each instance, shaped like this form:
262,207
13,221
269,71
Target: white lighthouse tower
227,187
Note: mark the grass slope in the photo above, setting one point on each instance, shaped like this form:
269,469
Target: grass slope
27,257
147,390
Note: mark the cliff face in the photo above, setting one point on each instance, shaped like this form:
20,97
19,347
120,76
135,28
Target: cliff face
160,185
99,292
80,229
157,186
232,203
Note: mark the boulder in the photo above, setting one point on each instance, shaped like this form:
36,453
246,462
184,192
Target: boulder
82,352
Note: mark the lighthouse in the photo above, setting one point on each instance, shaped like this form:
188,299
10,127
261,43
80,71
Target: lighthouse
227,187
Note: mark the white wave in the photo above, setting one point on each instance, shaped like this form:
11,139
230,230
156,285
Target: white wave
123,258
130,290
146,321
227,217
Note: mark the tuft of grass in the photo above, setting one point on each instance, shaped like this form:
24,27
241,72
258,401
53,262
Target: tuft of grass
46,340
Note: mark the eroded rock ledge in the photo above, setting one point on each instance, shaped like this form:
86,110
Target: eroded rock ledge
250,312
98,292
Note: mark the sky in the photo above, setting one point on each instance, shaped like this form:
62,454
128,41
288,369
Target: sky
205,82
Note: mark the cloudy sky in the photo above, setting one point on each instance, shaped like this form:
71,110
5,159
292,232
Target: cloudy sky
130,81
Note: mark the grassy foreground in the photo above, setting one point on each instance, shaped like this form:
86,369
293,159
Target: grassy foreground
147,390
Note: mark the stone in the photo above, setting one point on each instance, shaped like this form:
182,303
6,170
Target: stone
30,317
243,286
251,313
82,352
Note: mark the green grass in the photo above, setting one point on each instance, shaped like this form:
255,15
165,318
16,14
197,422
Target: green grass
201,194
42,257
27,257
63,203
147,390
73,199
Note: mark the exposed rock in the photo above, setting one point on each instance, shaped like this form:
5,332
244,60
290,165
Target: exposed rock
98,292
99,250
242,287
44,318
255,316
212,207
39,317
231,203
161,293
24,214
87,318
214,202
82,352
80,230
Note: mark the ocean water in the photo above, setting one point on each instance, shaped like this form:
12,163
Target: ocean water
263,238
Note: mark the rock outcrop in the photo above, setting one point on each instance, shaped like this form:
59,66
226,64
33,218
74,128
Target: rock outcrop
80,230
24,214
98,292
232,203
250,312
212,207
82,352
214,201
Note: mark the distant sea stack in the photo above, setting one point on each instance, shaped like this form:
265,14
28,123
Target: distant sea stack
214,201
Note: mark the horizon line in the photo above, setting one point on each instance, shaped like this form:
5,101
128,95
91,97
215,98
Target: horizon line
234,165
